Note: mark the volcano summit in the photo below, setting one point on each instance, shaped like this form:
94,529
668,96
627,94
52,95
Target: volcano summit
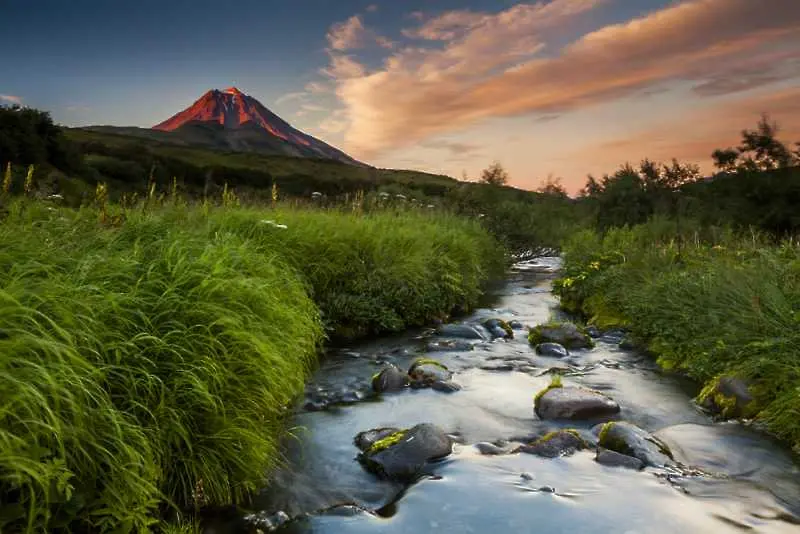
232,120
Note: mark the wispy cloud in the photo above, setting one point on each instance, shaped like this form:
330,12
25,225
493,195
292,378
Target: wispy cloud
473,66
372,8
307,108
12,99
288,97
316,88
352,34
455,148
334,123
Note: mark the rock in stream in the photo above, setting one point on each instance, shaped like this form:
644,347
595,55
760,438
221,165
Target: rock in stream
402,455
557,402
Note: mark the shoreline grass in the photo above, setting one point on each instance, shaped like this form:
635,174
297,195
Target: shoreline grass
152,362
709,306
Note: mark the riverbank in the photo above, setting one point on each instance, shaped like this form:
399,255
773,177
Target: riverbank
721,308
148,359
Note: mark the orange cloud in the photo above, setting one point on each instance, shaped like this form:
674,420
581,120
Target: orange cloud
693,136
492,65
352,34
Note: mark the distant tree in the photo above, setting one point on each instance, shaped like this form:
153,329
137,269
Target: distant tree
29,137
726,159
678,174
495,174
552,187
767,151
592,187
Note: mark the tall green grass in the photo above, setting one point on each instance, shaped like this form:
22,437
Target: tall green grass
150,363
710,305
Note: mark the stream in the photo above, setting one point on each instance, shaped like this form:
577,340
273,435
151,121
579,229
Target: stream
754,484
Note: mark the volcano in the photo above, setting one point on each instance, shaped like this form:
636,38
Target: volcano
232,120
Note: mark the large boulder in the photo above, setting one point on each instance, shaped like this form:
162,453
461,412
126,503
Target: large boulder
558,402
403,454
557,443
728,397
424,372
498,328
390,378
567,334
630,440
549,348
466,331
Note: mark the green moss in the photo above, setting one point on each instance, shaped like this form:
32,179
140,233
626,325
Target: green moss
535,336
506,327
605,440
386,442
555,433
727,406
426,361
555,382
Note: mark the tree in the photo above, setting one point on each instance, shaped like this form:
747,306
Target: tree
552,187
495,174
725,159
768,152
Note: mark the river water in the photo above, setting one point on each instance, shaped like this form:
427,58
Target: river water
748,483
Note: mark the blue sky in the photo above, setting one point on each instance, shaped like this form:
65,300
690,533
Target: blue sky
561,87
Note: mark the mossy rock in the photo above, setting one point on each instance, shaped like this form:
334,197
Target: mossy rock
390,378
403,454
499,328
365,440
728,397
555,382
626,438
557,443
425,371
567,334
386,442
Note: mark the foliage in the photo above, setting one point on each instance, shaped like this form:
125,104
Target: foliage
148,356
29,137
728,305
760,150
495,174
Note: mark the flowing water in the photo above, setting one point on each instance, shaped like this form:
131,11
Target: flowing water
747,482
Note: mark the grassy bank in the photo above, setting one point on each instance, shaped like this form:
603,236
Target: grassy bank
149,363
709,305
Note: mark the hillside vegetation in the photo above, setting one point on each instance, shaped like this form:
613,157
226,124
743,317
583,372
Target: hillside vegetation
148,356
703,274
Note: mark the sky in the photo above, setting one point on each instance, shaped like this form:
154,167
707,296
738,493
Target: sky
550,89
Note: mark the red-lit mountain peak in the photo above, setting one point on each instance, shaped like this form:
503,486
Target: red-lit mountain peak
235,111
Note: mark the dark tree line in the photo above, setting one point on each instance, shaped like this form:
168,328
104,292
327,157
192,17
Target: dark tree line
29,137
758,185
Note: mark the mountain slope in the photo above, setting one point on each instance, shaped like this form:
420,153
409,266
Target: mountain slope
233,120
